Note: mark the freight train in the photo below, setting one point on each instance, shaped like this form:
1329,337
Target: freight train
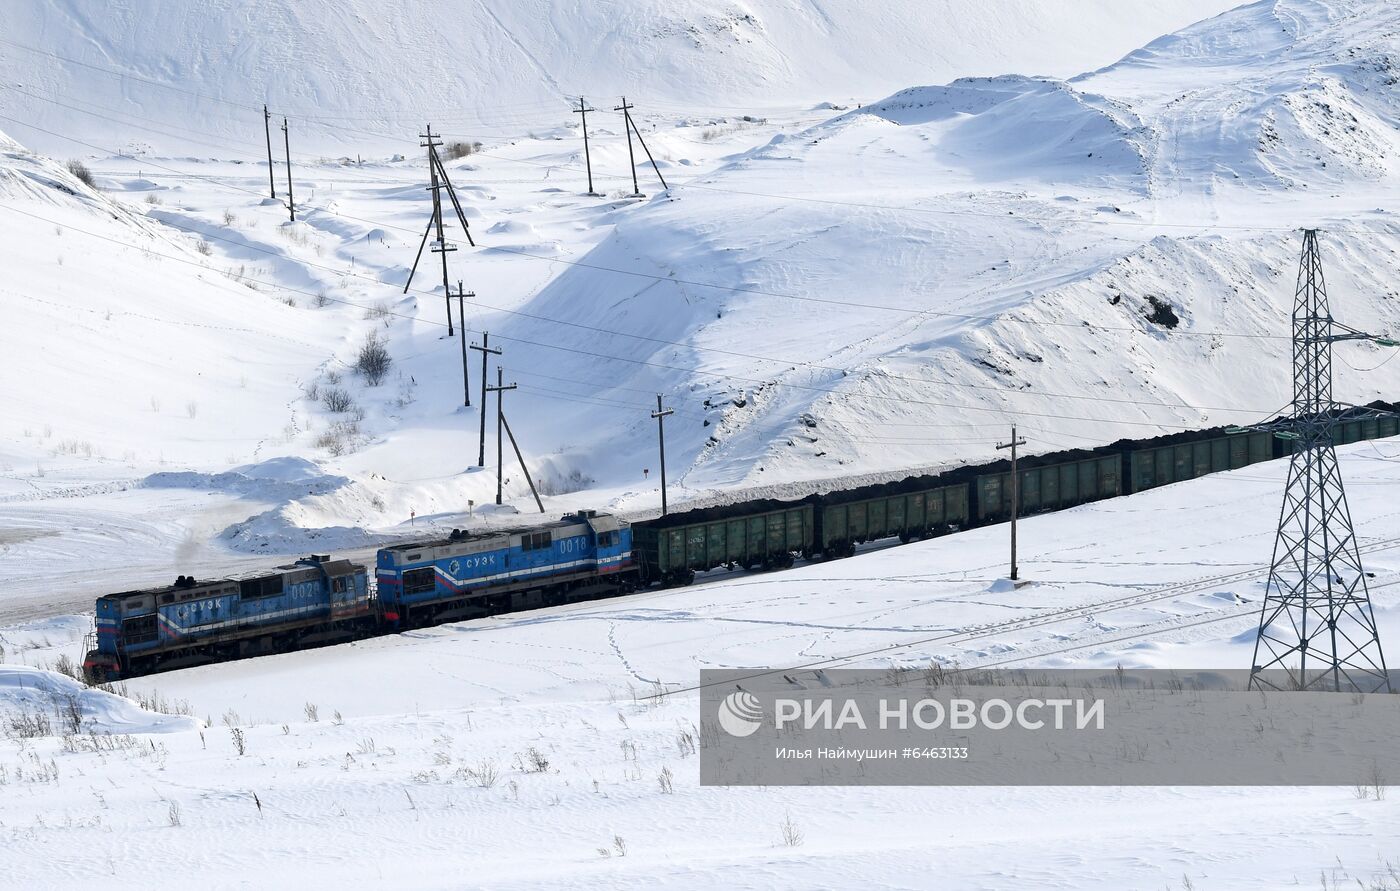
594,554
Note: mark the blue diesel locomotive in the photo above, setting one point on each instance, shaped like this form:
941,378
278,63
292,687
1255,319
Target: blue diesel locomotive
317,601
313,601
582,556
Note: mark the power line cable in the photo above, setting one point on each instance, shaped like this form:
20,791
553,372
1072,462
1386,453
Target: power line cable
761,382
598,329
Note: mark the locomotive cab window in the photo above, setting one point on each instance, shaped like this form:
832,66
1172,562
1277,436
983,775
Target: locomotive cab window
536,541
250,589
340,585
417,581
607,539
141,629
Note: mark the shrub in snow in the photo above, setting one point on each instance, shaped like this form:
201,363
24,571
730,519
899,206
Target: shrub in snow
374,361
79,169
335,399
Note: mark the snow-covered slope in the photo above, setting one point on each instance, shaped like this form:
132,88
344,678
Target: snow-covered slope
123,341
355,74
994,250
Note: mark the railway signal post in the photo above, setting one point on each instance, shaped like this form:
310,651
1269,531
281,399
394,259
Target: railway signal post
660,416
499,390
1015,494
486,353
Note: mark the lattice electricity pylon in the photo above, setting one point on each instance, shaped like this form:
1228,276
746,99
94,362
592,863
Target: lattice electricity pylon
1316,627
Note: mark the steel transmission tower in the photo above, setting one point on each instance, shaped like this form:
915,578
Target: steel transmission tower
1316,627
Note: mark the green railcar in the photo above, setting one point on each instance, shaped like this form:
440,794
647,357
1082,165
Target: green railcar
674,553
1367,428
840,527
1049,487
1160,466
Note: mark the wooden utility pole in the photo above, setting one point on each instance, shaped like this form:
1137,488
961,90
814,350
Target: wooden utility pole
462,322
632,128
440,246
583,109
1015,493
660,415
486,353
521,459
499,390
287,143
437,176
267,134
436,159
631,159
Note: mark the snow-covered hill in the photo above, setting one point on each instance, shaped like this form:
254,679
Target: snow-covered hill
821,293
123,339
1094,258
364,75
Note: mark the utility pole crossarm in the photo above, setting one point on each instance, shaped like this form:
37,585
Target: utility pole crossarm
1350,333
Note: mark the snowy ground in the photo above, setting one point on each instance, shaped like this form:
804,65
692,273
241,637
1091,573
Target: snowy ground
410,729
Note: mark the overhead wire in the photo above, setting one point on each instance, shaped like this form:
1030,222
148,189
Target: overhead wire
761,382
599,329
776,360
